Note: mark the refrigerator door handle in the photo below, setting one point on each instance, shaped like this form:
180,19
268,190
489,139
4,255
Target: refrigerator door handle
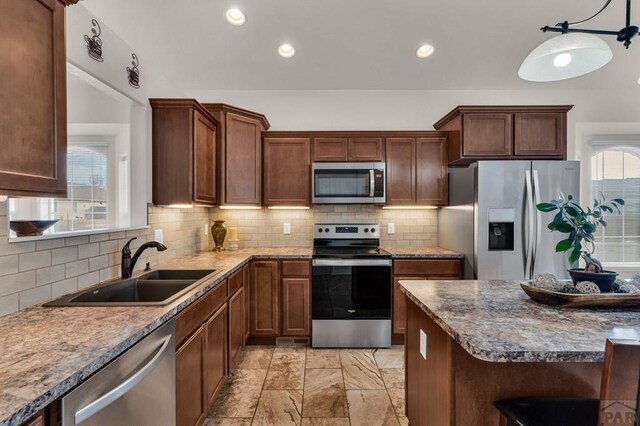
538,220
528,267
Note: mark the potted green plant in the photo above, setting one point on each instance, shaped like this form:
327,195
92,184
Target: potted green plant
580,225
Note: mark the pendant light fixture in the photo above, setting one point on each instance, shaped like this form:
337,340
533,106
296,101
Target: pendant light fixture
575,52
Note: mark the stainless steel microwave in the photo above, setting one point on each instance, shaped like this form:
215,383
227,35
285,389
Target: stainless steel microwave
348,183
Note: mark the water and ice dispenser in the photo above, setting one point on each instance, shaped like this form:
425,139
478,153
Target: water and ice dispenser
501,229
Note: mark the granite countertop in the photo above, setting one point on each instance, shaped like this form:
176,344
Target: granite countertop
48,351
422,253
496,321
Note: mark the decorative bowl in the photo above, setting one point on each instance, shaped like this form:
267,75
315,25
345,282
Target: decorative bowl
31,228
569,300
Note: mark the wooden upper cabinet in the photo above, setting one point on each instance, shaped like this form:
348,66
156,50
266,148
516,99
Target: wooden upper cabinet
240,154
184,153
401,171
330,149
539,134
366,149
33,123
339,149
487,135
287,171
431,170
504,132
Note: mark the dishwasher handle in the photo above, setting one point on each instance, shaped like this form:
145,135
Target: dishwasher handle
114,394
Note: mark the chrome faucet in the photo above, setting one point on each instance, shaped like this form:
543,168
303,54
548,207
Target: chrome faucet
128,262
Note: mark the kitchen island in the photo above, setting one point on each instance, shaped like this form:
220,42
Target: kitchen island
486,340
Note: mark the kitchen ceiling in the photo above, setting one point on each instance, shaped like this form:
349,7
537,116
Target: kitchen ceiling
358,44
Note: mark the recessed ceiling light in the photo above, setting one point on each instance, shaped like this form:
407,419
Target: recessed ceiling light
286,50
424,51
638,80
235,17
562,60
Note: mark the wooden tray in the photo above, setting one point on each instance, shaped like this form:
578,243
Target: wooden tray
601,300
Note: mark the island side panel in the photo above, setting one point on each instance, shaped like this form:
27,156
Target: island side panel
478,383
451,387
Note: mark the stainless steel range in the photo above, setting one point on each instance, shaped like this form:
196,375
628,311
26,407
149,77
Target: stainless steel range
351,287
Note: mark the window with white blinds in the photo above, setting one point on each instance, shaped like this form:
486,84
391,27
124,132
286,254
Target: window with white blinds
615,173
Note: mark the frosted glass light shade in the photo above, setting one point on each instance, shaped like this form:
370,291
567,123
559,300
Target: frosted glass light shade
588,53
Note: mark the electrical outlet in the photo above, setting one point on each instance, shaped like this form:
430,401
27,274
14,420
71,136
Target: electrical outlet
391,228
287,228
158,235
423,344
206,229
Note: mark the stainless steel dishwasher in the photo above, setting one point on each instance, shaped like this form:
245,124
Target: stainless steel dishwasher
137,388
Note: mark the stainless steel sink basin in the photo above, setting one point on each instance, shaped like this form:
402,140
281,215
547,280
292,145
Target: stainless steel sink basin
155,288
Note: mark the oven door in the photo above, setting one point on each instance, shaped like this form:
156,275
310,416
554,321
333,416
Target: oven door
351,289
348,183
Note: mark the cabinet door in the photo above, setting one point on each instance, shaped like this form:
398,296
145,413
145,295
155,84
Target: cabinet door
365,149
399,306
190,398
246,324
431,168
242,157
215,357
540,134
204,160
487,135
287,171
236,334
265,299
330,149
401,171
33,123
296,307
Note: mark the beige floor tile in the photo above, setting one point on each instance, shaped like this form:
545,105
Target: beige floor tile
335,421
393,377
371,408
240,395
397,400
324,394
279,407
292,348
323,358
228,422
403,421
255,357
389,358
360,370
286,371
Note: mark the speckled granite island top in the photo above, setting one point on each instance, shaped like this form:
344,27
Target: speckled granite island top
422,253
496,321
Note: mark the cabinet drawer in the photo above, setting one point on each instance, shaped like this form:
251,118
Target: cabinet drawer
199,312
296,268
235,281
430,267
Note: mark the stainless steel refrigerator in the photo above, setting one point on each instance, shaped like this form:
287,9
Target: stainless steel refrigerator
492,217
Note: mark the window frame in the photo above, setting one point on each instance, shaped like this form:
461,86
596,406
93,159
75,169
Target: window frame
595,147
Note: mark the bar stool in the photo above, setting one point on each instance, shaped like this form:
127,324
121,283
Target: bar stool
619,401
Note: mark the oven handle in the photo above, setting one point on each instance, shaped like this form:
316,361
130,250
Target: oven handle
351,262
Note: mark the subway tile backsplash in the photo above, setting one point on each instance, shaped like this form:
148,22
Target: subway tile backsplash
36,271
264,228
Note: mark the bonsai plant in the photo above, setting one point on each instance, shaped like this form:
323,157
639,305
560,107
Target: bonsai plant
581,225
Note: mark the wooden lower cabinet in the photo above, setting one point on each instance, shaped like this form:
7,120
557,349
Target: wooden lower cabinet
424,269
37,420
215,354
296,306
236,331
265,298
246,323
190,381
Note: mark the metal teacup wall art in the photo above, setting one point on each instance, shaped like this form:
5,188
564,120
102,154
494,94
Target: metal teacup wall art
94,43
133,72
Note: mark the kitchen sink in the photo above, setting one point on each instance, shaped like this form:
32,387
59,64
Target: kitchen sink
155,288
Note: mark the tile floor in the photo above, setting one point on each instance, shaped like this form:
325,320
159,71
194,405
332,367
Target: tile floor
288,385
